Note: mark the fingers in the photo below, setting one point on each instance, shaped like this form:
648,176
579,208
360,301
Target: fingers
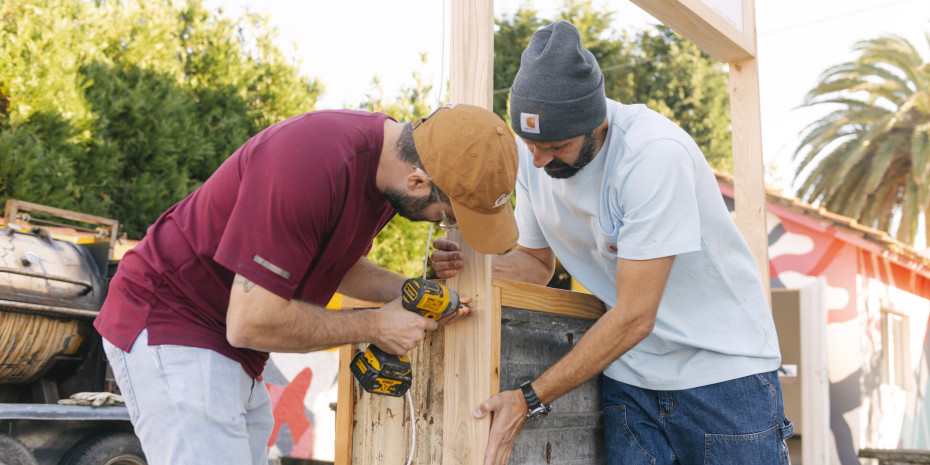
509,411
447,258
401,330
486,407
460,314
445,244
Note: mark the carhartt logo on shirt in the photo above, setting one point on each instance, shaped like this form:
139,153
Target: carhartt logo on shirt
529,122
272,267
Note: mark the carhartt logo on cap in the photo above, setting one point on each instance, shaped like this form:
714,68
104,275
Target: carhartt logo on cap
501,200
529,122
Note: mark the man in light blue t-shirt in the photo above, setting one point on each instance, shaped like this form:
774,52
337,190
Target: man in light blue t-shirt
627,202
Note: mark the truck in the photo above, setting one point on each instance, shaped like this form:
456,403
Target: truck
52,286
55,268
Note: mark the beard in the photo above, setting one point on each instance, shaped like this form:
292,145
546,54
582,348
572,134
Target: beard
558,169
408,206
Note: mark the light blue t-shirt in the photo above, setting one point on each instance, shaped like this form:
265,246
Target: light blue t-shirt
649,193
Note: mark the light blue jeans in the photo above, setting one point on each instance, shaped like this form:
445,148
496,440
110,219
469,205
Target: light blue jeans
737,422
191,405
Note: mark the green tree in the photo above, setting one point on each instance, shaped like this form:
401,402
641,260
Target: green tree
672,76
402,245
511,38
120,109
656,67
869,157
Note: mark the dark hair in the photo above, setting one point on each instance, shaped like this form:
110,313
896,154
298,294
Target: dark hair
407,152
406,149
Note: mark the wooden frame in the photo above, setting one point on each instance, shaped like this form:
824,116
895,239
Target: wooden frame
376,429
471,349
14,207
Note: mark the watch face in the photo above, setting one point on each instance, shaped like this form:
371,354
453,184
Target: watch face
538,413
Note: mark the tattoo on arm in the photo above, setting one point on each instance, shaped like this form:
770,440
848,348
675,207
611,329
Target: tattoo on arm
245,283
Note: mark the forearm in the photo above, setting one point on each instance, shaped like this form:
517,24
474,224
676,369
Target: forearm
370,282
612,336
300,327
521,265
640,285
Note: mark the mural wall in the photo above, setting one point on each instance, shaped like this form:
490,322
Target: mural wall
877,308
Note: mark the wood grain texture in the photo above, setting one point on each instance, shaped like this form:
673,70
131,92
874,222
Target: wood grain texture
546,299
345,406
705,27
469,351
531,342
748,169
380,427
471,51
428,395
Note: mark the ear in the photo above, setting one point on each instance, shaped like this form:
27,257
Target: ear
418,184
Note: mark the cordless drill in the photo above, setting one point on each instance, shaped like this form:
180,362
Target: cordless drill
379,372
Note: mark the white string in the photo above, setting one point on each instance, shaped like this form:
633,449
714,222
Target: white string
429,239
413,429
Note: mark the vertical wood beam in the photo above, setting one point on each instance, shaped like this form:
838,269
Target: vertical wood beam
345,407
469,355
748,169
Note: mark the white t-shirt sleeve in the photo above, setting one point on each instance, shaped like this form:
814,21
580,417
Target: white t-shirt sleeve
531,235
658,203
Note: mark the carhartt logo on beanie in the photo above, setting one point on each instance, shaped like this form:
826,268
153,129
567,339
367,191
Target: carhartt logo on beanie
558,92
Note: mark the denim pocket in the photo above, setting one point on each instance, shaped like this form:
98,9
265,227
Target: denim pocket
621,444
756,448
116,359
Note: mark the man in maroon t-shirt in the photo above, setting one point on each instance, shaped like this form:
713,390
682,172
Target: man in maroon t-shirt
246,264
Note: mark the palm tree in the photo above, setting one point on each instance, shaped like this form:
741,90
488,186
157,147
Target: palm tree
869,158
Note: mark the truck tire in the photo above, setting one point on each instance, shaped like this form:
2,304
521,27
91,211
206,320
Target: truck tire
109,448
14,452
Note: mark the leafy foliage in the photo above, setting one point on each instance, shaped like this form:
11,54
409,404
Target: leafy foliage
869,158
656,67
402,245
120,109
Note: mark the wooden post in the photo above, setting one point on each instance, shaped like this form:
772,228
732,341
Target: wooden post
471,366
748,170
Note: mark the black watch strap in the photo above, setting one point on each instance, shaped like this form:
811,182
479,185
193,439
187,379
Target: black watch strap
536,408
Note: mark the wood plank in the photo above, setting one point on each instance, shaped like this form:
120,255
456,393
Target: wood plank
468,359
573,432
468,348
428,395
471,65
705,27
896,455
381,426
748,169
345,406
528,296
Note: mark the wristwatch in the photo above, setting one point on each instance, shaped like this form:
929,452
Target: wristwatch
537,409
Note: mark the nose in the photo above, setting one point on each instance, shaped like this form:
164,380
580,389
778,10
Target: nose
540,158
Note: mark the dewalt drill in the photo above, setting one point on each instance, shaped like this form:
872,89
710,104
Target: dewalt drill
379,372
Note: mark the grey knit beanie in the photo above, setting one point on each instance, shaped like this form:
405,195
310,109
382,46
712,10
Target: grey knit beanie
558,92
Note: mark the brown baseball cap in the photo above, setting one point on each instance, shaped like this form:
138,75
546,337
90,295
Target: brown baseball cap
471,155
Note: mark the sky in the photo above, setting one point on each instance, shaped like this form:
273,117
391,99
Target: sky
346,43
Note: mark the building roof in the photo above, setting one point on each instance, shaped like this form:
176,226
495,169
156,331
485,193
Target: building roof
846,228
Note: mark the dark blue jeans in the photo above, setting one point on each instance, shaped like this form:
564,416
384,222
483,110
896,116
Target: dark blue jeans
741,421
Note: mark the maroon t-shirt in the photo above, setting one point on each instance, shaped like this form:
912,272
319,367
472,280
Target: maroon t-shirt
292,210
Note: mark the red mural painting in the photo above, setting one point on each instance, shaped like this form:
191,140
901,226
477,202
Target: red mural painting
287,403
